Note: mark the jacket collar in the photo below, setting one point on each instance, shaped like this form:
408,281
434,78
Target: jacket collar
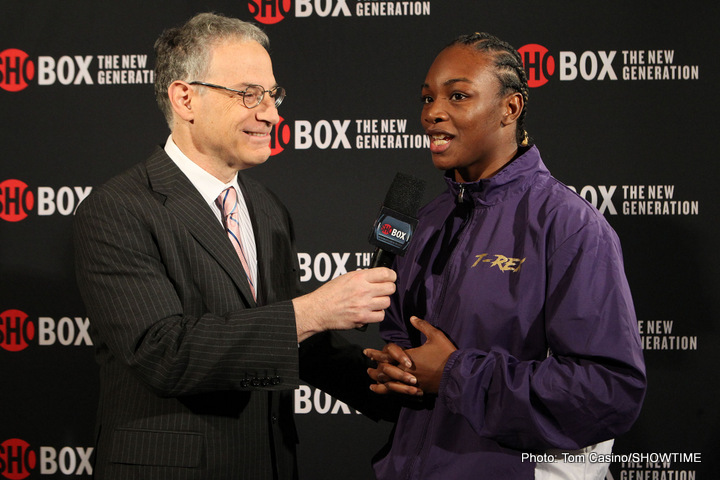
515,177
183,200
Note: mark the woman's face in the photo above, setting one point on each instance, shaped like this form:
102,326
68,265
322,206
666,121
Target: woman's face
471,126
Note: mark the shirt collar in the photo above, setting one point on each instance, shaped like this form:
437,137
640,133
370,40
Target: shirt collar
208,185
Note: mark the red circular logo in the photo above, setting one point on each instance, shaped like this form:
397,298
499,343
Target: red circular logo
16,458
386,229
16,331
16,70
538,64
279,137
269,11
16,200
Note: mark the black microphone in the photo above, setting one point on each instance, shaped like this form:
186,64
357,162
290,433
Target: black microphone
396,222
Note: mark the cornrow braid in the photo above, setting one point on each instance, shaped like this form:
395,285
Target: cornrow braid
511,73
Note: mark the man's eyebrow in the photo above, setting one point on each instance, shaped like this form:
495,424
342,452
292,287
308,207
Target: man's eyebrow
247,84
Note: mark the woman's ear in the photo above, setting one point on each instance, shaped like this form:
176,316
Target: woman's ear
514,104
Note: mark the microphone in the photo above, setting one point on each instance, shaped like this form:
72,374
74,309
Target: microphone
396,222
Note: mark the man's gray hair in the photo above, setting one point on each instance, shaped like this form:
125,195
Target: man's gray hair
183,53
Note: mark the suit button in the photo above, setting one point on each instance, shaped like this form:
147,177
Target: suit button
274,418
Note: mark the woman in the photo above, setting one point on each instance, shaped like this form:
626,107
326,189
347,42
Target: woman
529,348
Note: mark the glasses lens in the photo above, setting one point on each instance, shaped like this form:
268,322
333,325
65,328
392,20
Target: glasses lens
278,95
253,96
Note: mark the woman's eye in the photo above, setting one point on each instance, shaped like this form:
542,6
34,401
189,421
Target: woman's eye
457,96
425,99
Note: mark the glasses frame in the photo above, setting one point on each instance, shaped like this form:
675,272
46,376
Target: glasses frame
277,89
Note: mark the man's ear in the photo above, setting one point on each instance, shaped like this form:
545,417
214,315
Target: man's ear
181,95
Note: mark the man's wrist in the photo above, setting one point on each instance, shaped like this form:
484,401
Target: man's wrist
305,320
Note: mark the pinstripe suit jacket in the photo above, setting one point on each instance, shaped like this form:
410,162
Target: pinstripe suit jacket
195,377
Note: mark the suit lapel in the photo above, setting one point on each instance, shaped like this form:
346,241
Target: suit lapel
261,229
184,201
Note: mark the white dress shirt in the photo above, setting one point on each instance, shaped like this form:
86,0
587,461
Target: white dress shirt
210,188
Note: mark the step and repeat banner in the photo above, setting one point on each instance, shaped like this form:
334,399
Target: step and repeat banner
623,106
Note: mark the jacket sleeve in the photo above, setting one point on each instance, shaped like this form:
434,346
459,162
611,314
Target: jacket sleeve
591,385
158,324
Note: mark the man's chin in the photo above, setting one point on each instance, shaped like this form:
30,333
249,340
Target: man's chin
253,160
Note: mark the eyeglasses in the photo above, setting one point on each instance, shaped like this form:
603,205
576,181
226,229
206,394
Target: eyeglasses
253,95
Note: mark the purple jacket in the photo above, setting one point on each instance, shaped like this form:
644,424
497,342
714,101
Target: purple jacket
527,279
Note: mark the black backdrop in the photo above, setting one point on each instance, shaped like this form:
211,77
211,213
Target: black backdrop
623,108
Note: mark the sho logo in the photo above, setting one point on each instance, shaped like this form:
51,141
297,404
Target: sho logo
279,137
17,331
538,63
17,200
303,134
18,459
273,11
338,134
16,70
391,232
269,11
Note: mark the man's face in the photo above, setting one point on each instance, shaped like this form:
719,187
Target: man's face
224,130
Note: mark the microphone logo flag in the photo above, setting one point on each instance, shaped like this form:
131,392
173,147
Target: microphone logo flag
392,231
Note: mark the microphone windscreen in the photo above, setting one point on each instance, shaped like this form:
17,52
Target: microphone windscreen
397,219
405,194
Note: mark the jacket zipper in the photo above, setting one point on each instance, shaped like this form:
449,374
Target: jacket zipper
451,263
413,463
441,302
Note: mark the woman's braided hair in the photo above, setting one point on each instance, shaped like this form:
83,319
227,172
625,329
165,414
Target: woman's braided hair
510,72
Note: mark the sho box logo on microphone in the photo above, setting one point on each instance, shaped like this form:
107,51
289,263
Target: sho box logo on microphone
392,231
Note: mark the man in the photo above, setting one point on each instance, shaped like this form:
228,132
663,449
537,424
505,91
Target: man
196,323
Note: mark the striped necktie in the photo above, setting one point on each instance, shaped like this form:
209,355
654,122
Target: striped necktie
228,203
